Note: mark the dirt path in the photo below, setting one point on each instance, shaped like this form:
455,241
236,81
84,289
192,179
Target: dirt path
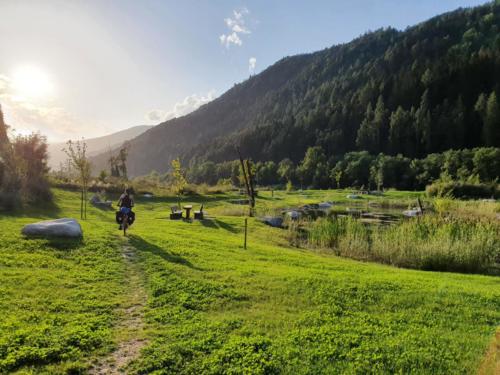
491,362
130,328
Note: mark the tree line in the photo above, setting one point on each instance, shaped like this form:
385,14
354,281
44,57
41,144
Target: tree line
359,169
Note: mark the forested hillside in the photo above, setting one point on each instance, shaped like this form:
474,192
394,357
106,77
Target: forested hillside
429,88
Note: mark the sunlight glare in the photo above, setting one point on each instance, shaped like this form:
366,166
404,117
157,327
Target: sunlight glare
32,82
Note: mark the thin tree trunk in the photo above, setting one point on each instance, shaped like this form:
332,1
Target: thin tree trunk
85,202
81,204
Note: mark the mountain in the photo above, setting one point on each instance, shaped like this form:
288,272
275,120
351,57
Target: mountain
431,87
96,146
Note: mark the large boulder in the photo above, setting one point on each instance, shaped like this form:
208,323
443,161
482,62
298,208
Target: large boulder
64,227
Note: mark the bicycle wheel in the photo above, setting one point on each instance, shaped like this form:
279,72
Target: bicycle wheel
125,224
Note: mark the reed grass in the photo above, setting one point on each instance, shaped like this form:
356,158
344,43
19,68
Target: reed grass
432,242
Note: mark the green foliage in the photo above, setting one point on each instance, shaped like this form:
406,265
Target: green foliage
179,182
463,190
23,171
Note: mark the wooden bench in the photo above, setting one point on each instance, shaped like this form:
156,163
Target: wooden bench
176,213
198,215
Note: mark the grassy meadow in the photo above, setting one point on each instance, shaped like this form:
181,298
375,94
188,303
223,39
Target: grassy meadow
213,307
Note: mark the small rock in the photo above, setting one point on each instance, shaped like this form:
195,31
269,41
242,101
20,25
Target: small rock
412,213
325,205
353,196
275,222
293,215
64,227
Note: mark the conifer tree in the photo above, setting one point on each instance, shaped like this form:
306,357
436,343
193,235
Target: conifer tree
491,126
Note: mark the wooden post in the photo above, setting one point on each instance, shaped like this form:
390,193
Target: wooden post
246,226
420,205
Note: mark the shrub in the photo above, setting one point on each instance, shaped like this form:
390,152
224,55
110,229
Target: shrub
463,190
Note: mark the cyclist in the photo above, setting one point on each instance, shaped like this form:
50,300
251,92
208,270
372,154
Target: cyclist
126,202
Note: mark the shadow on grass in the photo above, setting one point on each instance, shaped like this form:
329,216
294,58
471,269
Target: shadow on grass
59,243
44,210
140,244
218,224
65,243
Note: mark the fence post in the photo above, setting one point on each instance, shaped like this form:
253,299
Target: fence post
246,226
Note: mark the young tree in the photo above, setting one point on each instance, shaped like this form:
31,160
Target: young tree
179,182
77,155
122,160
286,170
314,168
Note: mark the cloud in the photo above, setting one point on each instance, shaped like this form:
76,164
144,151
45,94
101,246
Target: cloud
252,61
182,108
237,27
26,115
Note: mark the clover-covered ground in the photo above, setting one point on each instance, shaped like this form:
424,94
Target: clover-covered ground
214,307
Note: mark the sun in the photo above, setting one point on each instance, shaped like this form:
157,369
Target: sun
32,82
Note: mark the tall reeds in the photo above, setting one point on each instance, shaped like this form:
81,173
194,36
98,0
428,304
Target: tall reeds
431,242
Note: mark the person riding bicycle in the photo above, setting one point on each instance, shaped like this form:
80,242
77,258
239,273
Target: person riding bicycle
126,202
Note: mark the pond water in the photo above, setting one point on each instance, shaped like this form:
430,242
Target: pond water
367,212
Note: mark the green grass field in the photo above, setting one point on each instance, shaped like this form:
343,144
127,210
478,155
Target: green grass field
213,307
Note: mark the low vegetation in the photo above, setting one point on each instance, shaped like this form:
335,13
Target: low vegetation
431,242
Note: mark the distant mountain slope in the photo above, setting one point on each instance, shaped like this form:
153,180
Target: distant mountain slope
428,88
96,146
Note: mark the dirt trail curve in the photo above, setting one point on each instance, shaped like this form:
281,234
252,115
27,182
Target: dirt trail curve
491,362
130,328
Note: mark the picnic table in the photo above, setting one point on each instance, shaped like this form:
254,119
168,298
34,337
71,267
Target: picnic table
188,209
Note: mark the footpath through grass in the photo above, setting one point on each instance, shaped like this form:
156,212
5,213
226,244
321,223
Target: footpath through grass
214,307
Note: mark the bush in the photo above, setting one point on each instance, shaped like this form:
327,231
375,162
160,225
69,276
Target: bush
24,172
457,189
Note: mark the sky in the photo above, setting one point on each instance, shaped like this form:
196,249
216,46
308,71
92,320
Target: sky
72,69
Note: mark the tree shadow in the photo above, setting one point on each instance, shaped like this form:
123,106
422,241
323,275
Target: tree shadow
65,243
218,224
46,210
140,244
59,243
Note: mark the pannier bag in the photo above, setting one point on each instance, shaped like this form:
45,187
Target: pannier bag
131,217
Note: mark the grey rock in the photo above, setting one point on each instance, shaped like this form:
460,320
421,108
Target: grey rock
97,202
276,222
64,227
293,215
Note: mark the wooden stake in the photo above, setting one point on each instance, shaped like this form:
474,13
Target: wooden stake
246,226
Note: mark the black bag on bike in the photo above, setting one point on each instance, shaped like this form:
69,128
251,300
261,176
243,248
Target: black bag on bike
119,217
131,217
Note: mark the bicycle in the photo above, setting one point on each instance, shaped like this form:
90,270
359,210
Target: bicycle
125,220
125,224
